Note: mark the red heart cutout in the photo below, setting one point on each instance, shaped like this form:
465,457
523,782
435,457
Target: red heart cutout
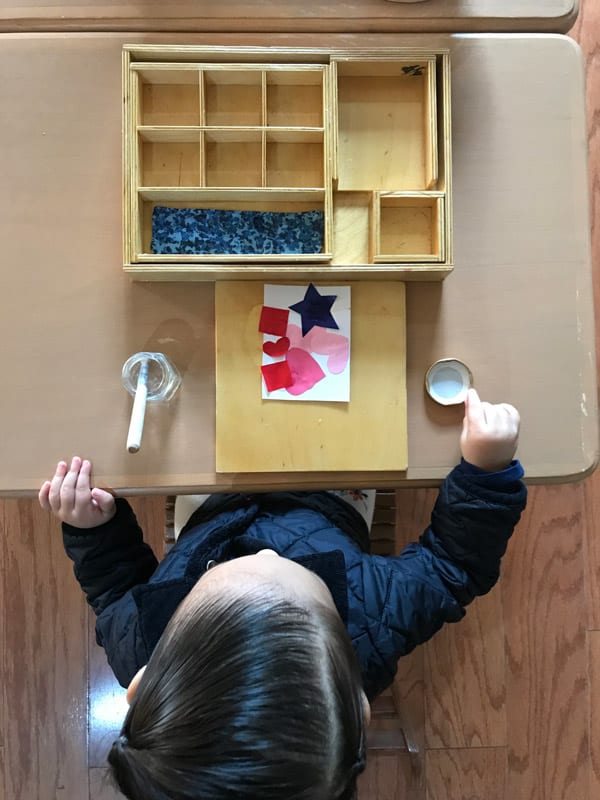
278,348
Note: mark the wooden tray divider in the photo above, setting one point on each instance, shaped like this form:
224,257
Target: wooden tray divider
430,127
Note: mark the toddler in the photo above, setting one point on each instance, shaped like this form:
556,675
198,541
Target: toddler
252,650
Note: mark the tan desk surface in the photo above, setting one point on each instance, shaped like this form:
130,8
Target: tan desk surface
283,15
517,308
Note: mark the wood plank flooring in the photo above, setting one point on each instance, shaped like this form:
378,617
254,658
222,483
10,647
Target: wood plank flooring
504,706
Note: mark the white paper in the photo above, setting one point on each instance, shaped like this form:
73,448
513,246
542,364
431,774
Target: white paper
333,387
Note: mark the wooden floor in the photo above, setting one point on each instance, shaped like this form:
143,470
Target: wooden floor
501,705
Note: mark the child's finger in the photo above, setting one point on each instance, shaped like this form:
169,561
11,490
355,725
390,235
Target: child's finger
465,426
43,496
104,500
82,485
474,410
503,418
55,486
67,490
511,411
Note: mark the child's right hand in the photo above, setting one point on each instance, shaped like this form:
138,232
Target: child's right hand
490,433
70,497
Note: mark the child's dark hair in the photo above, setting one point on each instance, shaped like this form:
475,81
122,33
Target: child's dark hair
250,696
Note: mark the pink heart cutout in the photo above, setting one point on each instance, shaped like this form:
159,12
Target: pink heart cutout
278,348
324,342
305,371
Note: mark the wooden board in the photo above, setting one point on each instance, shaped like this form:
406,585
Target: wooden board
367,434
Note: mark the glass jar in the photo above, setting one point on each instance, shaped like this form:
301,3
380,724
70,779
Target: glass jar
163,377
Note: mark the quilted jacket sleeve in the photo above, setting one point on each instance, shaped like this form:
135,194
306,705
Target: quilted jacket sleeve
409,597
110,559
472,521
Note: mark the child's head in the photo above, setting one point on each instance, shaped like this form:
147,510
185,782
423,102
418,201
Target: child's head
253,691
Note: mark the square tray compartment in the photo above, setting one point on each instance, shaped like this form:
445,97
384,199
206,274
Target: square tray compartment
168,96
170,163
232,97
294,98
295,159
233,157
408,228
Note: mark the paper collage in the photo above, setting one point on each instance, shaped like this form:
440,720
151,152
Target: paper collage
305,343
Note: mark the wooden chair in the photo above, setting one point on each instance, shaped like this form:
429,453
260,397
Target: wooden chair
389,729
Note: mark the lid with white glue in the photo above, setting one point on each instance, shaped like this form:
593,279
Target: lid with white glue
448,380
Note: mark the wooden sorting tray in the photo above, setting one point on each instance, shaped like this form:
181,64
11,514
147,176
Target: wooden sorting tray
361,137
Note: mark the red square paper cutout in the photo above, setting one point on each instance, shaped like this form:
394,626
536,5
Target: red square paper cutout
273,320
277,375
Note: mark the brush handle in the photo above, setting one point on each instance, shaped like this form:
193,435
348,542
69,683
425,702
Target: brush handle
136,424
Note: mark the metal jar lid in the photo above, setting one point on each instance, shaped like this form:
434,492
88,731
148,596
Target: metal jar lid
448,380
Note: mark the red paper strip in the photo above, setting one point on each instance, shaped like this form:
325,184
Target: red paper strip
273,320
277,376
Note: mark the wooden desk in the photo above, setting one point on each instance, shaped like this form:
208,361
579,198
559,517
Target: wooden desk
517,308
282,15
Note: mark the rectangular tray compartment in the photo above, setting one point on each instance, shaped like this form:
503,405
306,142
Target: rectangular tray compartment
386,116
352,222
233,199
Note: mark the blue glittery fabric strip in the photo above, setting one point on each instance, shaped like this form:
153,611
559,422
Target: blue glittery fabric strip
189,231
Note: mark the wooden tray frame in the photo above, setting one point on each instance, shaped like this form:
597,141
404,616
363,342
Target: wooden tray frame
227,145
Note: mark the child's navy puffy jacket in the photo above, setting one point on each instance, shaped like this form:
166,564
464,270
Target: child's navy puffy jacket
390,604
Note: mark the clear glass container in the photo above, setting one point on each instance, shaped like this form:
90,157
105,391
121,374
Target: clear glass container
163,377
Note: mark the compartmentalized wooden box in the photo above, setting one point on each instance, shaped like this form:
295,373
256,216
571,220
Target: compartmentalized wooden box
361,136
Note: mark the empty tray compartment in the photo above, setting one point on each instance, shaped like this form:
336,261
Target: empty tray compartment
386,125
232,96
168,96
169,156
295,158
233,157
295,97
408,228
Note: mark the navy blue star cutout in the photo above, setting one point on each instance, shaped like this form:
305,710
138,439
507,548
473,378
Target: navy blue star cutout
315,310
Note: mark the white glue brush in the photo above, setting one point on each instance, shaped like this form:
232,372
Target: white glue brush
138,412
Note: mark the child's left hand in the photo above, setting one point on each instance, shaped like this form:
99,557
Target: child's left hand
70,497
